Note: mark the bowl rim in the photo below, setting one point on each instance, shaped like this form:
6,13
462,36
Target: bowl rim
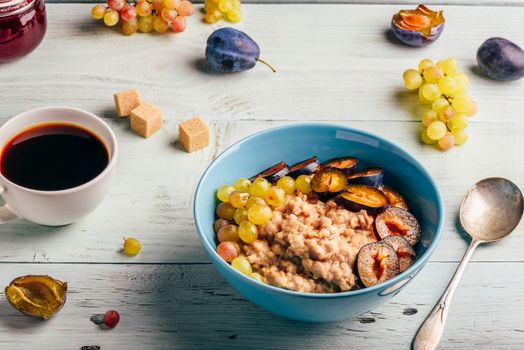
408,273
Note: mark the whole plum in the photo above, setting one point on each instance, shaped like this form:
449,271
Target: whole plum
229,50
501,59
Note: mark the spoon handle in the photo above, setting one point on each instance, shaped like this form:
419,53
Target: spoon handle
429,334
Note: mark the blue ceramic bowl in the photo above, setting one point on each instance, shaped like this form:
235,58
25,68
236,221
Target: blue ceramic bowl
292,144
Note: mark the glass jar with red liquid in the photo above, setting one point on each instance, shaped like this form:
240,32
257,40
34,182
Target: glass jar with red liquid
22,27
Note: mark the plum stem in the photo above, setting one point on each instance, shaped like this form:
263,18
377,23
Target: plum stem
267,64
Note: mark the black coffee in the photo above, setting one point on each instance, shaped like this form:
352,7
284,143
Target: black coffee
53,157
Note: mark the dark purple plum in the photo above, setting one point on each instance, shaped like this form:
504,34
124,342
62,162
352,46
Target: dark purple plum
347,164
371,177
361,197
405,252
229,50
500,59
377,262
418,27
305,167
273,173
398,222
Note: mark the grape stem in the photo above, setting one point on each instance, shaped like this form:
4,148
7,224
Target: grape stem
267,64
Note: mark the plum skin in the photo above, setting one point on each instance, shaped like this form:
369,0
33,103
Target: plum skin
229,50
501,59
413,38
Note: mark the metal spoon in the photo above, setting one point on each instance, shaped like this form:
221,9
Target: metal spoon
489,212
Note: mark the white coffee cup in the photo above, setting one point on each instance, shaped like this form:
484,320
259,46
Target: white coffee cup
56,208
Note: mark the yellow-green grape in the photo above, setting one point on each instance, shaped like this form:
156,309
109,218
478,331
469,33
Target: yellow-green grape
242,265
242,184
234,15
461,137
235,4
302,183
412,79
425,138
460,122
287,184
462,82
225,211
257,277
275,196
132,246
145,24
213,16
159,25
430,92
462,104
473,109
439,103
228,233
248,232
446,114
421,97
98,11
447,85
259,187
436,130
449,66
425,63
224,191
447,141
238,199
432,74
240,216
255,200
259,214
225,5
429,117
111,17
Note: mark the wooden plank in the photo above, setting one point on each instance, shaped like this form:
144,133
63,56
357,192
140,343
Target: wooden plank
152,195
190,307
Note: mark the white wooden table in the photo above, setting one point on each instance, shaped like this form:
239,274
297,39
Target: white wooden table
334,63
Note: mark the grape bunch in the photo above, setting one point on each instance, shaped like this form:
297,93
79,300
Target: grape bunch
145,15
226,9
442,86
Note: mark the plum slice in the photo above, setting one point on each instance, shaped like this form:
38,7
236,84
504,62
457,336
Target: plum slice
405,252
305,167
362,197
328,182
398,222
395,199
273,173
371,177
377,262
347,164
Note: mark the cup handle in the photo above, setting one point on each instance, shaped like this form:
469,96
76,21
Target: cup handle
6,214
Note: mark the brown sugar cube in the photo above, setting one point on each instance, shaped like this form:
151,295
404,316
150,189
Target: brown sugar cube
126,101
193,134
146,119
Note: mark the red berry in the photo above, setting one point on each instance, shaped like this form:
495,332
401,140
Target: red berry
111,318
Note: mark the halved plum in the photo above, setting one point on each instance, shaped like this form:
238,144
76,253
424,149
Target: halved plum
347,164
377,262
405,252
305,167
273,173
362,197
395,199
328,182
398,222
370,176
418,27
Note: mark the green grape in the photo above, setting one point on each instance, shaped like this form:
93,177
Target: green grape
462,104
287,184
240,216
446,114
425,63
460,122
238,199
219,223
225,211
234,15
462,82
145,24
302,183
259,187
255,200
439,103
98,11
461,137
258,277
228,233
248,232
111,17
224,191
227,251
473,109
447,85
429,117
432,74
242,184
132,246
225,5
412,79
447,141
275,196
421,97
449,66
430,92
259,214
436,130
242,265
425,138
